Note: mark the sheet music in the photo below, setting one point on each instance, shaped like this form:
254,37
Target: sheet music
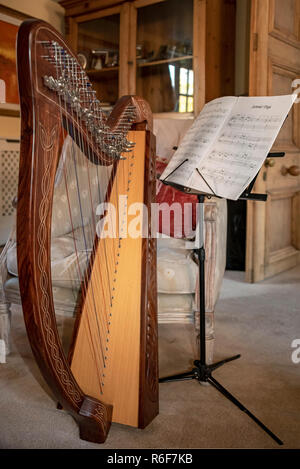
228,143
198,139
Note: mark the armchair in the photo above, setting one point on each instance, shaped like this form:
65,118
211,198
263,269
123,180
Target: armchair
176,268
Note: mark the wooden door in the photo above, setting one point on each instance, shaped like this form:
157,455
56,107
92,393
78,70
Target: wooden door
273,228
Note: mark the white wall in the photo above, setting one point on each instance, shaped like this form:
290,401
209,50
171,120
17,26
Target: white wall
47,10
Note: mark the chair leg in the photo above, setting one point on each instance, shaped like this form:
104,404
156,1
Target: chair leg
5,324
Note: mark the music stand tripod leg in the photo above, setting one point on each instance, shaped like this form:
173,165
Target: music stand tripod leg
233,399
202,371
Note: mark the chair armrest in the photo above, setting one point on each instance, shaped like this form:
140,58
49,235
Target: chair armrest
215,219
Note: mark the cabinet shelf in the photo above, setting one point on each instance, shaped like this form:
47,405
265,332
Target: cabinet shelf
165,61
98,73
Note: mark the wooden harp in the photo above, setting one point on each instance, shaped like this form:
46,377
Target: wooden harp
110,372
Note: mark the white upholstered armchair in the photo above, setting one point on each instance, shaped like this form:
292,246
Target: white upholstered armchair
177,270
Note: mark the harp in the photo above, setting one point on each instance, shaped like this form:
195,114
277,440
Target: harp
110,371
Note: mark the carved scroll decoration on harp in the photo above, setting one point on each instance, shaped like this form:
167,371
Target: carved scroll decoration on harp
110,372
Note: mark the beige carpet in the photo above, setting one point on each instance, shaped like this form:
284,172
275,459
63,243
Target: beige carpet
259,321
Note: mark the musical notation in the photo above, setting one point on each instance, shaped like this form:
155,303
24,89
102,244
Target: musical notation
228,144
198,138
225,158
250,141
260,123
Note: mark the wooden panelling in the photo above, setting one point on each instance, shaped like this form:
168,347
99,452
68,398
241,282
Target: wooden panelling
76,7
296,218
272,233
199,61
284,20
281,84
280,218
220,48
124,49
284,16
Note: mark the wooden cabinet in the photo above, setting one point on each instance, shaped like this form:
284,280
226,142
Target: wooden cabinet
153,48
164,71
98,47
177,54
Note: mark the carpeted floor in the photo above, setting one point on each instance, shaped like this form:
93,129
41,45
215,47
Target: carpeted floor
259,321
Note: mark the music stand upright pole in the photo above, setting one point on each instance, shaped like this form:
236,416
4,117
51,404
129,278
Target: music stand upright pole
201,267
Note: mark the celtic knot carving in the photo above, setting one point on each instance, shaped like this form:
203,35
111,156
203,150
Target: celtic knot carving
47,141
152,338
100,414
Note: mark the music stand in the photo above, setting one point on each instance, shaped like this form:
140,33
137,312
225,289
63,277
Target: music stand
202,371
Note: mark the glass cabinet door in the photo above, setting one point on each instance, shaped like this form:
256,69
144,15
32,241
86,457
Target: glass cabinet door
164,56
98,52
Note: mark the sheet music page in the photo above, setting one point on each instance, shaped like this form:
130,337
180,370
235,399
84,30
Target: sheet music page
236,140
198,139
243,144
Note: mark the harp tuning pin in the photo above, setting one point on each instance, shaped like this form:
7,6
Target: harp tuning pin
50,82
85,111
129,145
75,102
89,116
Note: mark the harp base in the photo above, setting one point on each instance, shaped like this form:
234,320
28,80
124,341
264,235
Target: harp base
94,420
91,411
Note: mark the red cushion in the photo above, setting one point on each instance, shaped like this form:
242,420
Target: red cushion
184,223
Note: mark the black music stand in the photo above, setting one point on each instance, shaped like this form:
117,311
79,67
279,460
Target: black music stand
202,372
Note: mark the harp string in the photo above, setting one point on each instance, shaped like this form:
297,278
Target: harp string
89,247
69,131
80,276
93,218
93,345
93,231
105,316
106,184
